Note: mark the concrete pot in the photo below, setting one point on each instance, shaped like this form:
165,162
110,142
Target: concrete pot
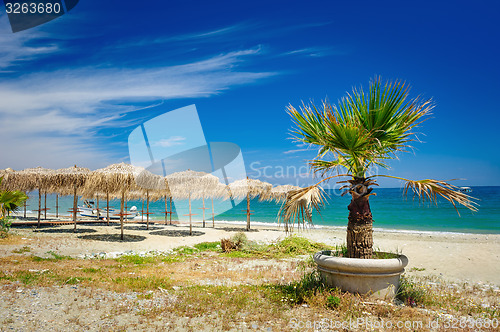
376,277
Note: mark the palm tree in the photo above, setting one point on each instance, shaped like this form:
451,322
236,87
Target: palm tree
362,131
10,200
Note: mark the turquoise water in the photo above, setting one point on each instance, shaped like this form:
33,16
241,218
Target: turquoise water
389,208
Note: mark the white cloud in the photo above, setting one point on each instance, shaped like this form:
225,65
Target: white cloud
171,141
49,118
17,47
294,151
315,52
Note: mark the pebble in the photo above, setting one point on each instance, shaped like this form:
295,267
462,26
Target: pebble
117,254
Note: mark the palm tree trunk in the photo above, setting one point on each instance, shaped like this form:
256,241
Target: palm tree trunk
360,228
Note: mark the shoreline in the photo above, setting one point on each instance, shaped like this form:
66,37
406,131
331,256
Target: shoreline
64,217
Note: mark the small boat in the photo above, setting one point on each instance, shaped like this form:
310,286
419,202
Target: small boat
465,189
89,210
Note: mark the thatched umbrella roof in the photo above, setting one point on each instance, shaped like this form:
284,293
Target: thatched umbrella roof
64,180
6,174
150,182
253,188
68,181
190,183
279,193
30,179
113,179
208,187
219,191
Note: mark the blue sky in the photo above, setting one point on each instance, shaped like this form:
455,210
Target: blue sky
73,89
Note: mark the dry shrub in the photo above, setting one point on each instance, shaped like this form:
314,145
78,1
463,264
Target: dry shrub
237,242
227,245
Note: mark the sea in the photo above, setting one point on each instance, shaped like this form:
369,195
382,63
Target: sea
391,210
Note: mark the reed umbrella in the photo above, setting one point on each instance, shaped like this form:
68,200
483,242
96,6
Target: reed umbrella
7,183
250,188
219,191
152,185
70,179
187,184
30,179
206,189
116,179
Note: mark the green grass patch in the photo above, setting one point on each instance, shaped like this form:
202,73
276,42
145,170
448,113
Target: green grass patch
341,251
173,259
413,293
417,269
22,250
137,259
143,283
26,277
297,292
186,250
55,257
332,301
208,246
291,246
241,254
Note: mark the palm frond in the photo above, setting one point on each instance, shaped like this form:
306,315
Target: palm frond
299,206
361,129
429,190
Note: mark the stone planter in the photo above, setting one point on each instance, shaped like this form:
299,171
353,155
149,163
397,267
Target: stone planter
376,277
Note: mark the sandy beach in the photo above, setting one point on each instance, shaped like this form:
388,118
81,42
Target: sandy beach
452,256
169,300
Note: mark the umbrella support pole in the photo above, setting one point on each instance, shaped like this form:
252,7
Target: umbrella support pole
107,207
45,206
121,214
190,221
213,214
142,211
147,209
248,211
203,212
57,206
166,210
75,207
24,209
97,205
39,207
171,210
